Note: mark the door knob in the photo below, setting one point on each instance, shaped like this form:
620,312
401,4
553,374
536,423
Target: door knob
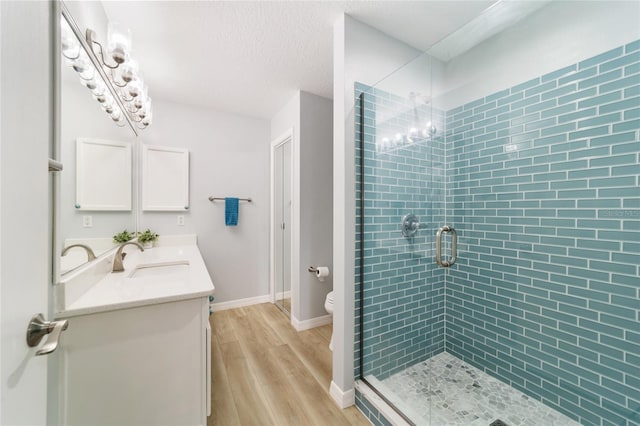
38,328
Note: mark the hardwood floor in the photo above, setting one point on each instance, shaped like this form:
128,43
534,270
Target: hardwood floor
265,373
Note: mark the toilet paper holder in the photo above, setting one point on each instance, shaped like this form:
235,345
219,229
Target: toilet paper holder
312,269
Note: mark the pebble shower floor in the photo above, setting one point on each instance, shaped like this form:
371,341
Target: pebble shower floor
447,391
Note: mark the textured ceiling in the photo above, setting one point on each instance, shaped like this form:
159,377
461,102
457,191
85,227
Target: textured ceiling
251,57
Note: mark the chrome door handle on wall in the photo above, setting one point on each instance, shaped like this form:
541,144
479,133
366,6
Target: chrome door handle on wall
38,328
454,246
410,225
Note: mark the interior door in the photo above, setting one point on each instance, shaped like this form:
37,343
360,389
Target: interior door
26,129
282,225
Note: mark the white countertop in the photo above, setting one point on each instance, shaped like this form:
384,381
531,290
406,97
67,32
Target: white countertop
118,290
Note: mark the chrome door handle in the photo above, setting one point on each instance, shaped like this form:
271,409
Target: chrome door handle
454,246
38,328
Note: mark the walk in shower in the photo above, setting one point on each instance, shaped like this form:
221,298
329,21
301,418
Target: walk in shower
516,164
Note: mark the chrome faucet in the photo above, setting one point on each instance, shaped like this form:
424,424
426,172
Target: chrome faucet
90,254
117,260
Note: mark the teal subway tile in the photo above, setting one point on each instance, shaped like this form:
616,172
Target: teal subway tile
616,181
589,254
588,173
601,78
599,223
560,110
621,105
526,102
525,119
614,160
473,104
540,106
632,91
627,125
559,73
624,345
497,95
568,184
564,90
599,120
596,131
599,100
625,148
631,303
619,192
613,309
569,146
632,69
632,47
580,75
620,62
612,139
569,165
525,85
574,116
632,113
544,87
596,60
563,128
623,83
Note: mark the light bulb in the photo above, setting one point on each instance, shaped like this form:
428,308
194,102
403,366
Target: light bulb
128,72
119,45
116,115
89,84
147,120
84,67
134,89
107,105
68,40
139,101
100,87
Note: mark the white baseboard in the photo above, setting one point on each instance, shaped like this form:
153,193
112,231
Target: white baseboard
343,399
223,306
311,323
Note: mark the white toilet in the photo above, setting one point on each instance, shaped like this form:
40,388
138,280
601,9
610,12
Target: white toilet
328,306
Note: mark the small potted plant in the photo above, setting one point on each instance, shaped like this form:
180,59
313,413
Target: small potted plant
147,238
123,237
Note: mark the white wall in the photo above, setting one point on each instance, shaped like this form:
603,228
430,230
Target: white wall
316,201
560,34
310,117
364,54
229,157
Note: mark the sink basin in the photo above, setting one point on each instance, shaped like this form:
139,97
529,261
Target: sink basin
160,269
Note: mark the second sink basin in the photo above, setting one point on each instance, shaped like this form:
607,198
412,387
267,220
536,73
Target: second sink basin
159,269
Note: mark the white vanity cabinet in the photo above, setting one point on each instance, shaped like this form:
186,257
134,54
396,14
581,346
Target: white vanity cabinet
145,365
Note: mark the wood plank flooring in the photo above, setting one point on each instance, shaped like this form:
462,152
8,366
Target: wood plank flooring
265,373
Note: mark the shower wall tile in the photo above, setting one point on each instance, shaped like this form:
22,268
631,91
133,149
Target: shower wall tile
545,197
403,312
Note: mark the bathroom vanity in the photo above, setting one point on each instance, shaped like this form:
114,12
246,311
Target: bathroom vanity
137,349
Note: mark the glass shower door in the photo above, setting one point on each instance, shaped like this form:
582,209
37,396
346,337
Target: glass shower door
400,202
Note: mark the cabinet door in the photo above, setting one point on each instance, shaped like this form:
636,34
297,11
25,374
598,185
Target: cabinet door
143,366
165,178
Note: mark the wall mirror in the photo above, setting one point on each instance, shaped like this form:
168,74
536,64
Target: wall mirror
93,208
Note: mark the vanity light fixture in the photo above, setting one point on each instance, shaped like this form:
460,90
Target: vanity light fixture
98,68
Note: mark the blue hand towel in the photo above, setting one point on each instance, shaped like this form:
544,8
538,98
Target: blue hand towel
231,211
